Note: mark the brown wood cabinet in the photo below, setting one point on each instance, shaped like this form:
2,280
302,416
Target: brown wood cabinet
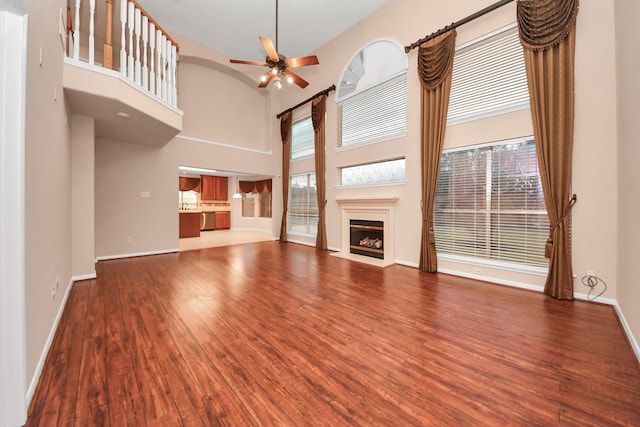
223,220
189,224
214,188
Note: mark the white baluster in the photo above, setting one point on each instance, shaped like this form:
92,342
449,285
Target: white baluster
152,50
165,63
76,33
123,23
145,40
160,62
174,78
92,43
137,30
169,73
130,57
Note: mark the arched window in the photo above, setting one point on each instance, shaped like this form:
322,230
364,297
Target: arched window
372,94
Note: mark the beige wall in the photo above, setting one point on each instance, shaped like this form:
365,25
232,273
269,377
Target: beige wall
48,179
628,60
82,196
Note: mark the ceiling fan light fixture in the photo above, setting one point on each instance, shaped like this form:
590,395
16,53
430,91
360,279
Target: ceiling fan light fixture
279,64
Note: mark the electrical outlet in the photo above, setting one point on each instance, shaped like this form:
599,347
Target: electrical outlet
129,239
591,273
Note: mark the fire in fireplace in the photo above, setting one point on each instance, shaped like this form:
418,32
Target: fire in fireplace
367,238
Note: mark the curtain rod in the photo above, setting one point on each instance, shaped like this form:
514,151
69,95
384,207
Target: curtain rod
322,92
456,24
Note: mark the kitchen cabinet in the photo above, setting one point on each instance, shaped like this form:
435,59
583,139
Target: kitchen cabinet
223,220
214,188
189,224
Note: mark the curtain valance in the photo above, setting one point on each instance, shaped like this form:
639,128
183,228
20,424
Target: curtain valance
544,23
435,60
263,186
188,184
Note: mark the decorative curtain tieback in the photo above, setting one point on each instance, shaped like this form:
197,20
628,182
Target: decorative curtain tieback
548,247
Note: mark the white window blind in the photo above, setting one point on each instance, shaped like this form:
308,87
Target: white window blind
489,78
303,205
248,205
265,204
302,144
377,114
489,204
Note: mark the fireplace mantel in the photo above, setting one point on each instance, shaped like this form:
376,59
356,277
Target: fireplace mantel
374,209
368,201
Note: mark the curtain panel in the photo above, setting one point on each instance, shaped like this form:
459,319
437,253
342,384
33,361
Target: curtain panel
318,108
547,33
435,66
285,134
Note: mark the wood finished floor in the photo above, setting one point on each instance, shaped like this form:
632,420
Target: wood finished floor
282,335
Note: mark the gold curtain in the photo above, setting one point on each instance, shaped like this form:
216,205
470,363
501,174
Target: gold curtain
435,66
285,134
318,108
187,184
547,32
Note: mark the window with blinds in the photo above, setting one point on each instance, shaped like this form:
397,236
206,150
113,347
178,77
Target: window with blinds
489,204
265,204
248,205
302,144
303,205
489,77
377,114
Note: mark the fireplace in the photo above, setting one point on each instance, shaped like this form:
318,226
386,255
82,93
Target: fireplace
367,230
366,238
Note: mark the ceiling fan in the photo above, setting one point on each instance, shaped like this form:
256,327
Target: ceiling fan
280,66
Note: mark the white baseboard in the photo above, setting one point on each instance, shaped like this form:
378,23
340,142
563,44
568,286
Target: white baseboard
84,277
511,283
47,346
136,254
627,331
302,242
407,263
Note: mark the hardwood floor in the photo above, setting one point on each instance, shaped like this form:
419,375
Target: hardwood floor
280,334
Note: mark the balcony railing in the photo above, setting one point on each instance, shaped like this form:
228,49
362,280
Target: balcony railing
148,55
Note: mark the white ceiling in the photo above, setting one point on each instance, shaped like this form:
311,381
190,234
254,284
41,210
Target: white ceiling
232,27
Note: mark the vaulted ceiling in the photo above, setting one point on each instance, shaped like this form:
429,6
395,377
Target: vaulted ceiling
232,27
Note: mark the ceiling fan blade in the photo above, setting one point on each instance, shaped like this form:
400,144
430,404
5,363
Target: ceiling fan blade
271,50
239,61
296,79
302,61
266,82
